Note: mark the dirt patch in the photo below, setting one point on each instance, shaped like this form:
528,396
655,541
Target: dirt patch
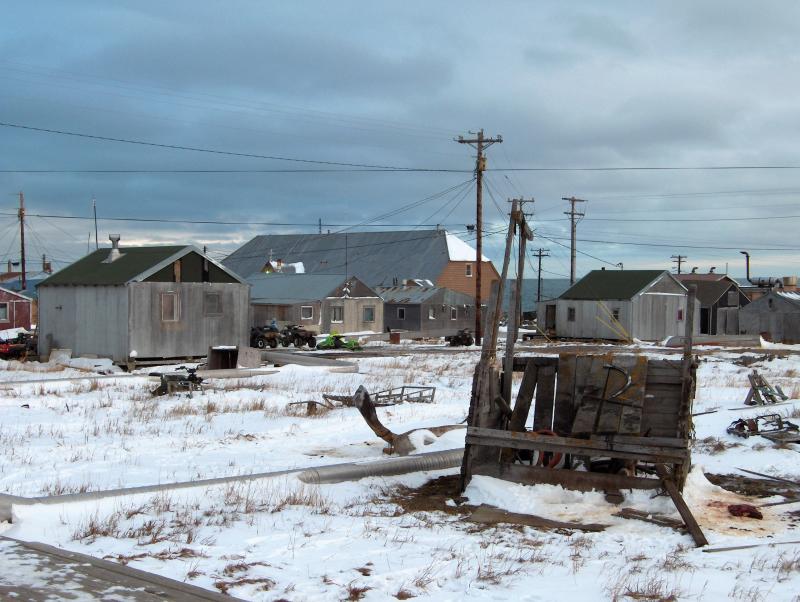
433,496
751,486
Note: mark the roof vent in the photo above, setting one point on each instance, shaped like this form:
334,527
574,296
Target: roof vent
114,254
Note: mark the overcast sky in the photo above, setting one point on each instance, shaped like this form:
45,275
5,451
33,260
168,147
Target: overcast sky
567,85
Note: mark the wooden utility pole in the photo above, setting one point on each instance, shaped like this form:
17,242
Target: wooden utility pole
573,230
539,254
94,211
679,259
480,143
21,215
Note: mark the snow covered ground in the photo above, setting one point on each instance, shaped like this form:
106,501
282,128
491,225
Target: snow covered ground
373,539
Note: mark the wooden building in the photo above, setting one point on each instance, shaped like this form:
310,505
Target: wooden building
427,309
320,302
649,305
720,300
147,302
16,310
378,259
775,316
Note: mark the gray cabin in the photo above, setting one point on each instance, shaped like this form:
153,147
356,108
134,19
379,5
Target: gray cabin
430,310
720,301
147,302
776,316
320,302
648,305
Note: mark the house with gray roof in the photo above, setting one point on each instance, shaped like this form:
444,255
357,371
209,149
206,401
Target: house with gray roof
154,302
430,310
648,305
376,258
319,302
720,301
775,316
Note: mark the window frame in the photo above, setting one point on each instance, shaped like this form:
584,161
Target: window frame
571,314
680,314
364,314
431,312
5,305
206,310
615,313
334,309
468,270
176,306
401,313
309,317
454,313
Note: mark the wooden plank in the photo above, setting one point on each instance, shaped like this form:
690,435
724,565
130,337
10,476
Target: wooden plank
612,414
521,362
691,524
661,441
609,448
522,406
569,479
545,392
590,392
631,419
563,412
656,519
489,515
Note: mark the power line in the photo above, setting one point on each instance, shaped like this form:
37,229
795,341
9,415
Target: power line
643,244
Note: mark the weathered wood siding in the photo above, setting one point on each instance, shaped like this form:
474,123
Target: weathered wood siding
353,309
592,319
19,311
90,320
454,277
195,330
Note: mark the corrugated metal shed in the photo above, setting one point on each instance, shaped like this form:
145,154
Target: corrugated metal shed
376,258
611,284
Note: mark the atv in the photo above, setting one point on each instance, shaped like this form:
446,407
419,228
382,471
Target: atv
298,336
462,337
263,337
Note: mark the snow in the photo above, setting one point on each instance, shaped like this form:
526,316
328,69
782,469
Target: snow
11,333
300,542
458,250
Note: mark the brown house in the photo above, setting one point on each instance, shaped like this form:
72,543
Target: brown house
16,310
425,257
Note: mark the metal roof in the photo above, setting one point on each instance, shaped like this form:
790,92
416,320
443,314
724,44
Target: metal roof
611,284
376,258
709,291
133,264
423,294
287,289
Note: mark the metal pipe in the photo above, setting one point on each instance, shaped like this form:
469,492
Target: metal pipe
339,473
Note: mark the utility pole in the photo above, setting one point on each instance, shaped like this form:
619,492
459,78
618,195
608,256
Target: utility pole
573,230
320,226
21,215
94,210
539,254
679,259
479,143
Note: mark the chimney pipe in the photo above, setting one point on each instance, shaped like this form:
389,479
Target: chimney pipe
114,254
711,269
694,270
747,264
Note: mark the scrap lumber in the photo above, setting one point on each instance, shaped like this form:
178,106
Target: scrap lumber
655,519
490,515
686,514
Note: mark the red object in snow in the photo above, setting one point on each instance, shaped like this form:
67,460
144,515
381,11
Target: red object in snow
745,510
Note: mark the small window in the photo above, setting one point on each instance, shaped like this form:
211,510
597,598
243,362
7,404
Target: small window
615,313
213,304
454,313
369,313
468,270
306,312
733,298
337,313
680,315
170,307
401,313
570,314
3,312
431,313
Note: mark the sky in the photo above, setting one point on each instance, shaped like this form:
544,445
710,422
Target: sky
570,87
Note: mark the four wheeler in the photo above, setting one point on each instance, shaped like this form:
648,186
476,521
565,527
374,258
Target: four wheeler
462,337
20,347
264,336
298,336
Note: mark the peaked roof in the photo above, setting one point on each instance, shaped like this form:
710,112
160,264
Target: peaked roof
421,294
611,284
376,258
709,276
133,265
22,295
286,289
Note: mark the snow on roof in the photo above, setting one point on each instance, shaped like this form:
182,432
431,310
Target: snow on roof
458,250
789,295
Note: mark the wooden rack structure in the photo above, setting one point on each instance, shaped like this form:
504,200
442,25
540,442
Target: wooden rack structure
623,418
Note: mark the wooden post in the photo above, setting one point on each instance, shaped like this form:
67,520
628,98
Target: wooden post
686,514
687,384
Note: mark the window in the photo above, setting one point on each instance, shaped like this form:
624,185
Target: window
337,313
3,312
401,313
369,313
170,307
454,313
680,315
570,314
468,270
431,313
615,313
733,298
306,312
213,304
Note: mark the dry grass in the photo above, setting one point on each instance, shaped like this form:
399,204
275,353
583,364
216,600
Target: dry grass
714,445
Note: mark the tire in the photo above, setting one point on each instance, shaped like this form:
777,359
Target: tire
261,342
298,342
273,342
469,342
454,341
312,342
284,342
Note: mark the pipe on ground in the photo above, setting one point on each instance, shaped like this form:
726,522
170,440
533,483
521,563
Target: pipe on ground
339,473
